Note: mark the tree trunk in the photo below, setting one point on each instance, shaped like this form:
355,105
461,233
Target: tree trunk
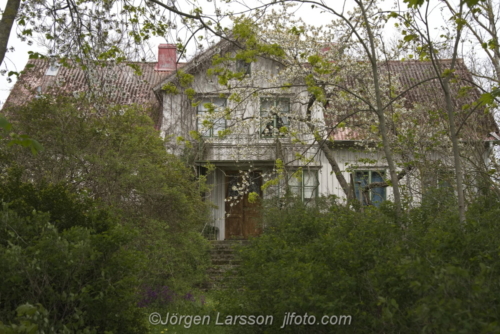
379,110
349,191
456,150
6,23
450,110
324,145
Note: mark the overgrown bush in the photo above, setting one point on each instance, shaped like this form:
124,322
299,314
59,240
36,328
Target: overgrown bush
93,221
430,274
120,159
59,250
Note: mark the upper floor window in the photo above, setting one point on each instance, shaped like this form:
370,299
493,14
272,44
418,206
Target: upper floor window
210,121
274,115
374,196
243,66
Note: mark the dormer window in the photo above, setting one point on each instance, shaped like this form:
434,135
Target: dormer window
38,92
53,68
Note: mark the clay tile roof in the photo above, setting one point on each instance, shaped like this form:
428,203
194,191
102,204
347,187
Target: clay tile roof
116,82
345,134
478,124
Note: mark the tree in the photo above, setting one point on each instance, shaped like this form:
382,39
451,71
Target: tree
419,33
6,23
481,24
119,159
106,30
23,140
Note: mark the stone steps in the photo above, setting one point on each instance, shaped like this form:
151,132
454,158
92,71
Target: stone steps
223,260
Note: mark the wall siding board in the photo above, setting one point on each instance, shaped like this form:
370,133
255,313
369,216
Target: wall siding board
216,197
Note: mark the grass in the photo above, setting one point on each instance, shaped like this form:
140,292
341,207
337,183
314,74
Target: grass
179,329
205,307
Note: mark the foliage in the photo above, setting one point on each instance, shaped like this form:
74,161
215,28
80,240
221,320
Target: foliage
61,251
105,30
15,139
433,275
205,305
30,320
120,159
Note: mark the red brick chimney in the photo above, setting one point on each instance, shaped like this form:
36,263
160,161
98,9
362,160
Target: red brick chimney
167,57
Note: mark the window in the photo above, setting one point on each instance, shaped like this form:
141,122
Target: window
303,185
209,123
274,113
53,67
243,66
374,196
437,178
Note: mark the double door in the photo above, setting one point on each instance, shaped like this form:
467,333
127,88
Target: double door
243,218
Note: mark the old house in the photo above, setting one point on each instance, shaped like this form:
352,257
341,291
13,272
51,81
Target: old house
241,142
242,137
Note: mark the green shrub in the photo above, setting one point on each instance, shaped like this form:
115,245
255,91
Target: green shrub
30,320
432,275
120,159
59,249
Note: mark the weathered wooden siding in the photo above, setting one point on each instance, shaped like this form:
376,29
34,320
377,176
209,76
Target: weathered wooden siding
348,160
216,197
180,117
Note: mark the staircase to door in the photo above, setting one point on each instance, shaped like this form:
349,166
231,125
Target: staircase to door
223,261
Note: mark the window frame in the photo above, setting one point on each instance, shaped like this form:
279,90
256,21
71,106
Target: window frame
53,68
439,178
199,120
279,190
264,124
302,185
357,187
243,66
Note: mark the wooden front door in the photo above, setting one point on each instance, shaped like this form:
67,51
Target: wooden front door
242,217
